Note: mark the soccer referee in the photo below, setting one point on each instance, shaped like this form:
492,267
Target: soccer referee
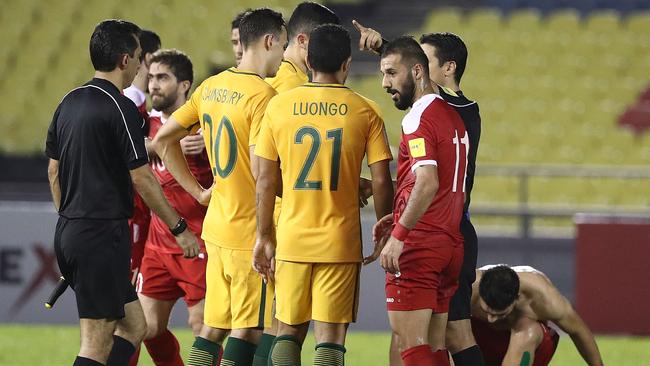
96,149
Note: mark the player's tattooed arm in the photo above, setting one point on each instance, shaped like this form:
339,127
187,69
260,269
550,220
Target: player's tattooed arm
53,177
558,309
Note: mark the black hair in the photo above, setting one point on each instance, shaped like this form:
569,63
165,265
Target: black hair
329,47
178,62
499,287
149,41
410,51
449,47
307,16
257,23
112,38
235,22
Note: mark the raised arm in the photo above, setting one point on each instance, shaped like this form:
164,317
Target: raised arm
167,145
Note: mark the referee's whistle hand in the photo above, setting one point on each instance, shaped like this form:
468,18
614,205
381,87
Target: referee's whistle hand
187,241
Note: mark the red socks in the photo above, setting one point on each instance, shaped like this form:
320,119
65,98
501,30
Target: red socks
423,356
164,349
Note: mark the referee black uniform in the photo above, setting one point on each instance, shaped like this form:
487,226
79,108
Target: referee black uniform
96,135
460,305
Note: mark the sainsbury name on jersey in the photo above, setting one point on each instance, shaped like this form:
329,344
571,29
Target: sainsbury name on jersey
222,95
319,109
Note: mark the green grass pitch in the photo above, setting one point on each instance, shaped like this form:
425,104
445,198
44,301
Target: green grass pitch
58,345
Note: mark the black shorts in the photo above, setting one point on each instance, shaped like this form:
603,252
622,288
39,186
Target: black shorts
460,306
94,257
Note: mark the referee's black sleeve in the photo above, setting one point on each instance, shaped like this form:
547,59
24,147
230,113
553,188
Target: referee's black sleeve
51,143
130,136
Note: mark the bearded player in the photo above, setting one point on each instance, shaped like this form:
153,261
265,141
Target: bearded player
423,253
165,275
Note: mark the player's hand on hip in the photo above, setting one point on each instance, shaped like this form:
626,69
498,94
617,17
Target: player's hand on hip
188,242
205,195
192,144
365,191
389,257
382,228
370,39
264,259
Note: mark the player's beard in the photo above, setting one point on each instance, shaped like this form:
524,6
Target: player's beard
163,102
406,95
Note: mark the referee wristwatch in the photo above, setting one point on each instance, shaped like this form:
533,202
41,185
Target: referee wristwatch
181,226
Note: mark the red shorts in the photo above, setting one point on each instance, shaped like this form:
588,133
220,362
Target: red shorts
428,276
168,277
139,229
494,343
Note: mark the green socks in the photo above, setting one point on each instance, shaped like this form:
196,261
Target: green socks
286,351
238,352
204,353
329,354
263,350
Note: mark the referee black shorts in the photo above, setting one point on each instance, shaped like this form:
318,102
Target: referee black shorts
94,257
460,306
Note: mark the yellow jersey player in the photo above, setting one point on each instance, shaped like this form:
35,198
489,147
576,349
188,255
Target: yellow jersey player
228,108
293,70
316,137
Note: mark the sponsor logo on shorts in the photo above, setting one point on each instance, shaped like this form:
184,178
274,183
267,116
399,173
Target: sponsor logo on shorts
390,299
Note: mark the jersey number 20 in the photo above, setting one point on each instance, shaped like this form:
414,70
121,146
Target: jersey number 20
216,142
336,135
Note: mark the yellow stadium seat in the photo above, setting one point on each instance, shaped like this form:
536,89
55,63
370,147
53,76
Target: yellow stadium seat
524,20
604,21
564,20
444,20
638,22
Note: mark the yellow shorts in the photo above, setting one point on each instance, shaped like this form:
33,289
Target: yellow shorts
326,292
236,297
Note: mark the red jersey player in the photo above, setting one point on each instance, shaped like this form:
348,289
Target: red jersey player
165,275
139,223
423,253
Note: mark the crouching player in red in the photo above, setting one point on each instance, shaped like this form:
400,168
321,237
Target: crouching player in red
165,275
424,247
511,308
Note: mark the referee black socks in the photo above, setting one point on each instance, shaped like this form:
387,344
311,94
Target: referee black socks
121,352
471,356
83,361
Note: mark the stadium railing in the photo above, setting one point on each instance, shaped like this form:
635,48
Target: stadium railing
526,211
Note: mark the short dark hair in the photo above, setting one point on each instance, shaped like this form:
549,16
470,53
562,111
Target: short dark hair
449,47
307,16
257,23
499,287
112,38
235,22
177,61
329,46
149,41
409,49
